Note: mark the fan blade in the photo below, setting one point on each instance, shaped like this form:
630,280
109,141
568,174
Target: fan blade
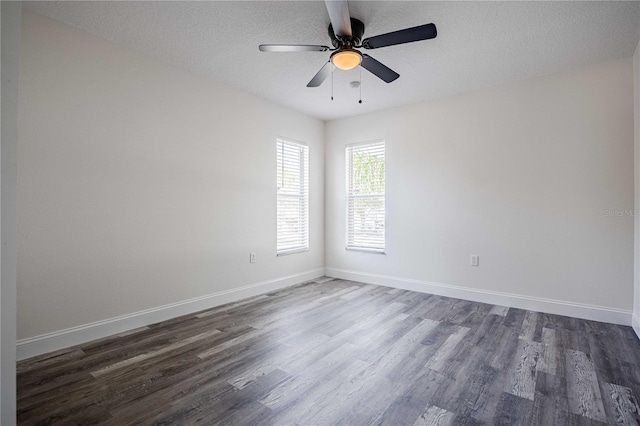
292,48
378,69
408,35
322,75
339,16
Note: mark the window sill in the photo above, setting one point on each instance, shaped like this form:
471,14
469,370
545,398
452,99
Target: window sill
295,251
366,250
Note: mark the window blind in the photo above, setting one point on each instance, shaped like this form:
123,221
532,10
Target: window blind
292,197
365,196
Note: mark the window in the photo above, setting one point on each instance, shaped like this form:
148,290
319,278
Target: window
292,197
365,196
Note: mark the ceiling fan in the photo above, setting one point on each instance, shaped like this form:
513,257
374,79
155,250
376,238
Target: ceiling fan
346,36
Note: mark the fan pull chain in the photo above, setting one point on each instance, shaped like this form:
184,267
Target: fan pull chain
360,86
331,83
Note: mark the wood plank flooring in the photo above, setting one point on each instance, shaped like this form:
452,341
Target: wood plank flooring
341,352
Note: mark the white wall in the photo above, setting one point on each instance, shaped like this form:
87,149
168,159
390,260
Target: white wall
141,184
10,22
636,258
521,175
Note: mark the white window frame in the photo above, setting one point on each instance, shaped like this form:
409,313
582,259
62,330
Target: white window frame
352,243
302,195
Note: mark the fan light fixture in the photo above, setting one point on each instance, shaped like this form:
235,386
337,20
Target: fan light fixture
346,59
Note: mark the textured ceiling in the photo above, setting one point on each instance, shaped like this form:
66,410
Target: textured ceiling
479,44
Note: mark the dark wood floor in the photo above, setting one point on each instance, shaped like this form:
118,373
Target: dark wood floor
346,353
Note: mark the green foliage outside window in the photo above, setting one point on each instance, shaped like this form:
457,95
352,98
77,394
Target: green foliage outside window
368,174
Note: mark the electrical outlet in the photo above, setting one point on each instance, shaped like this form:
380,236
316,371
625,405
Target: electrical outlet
475,260
252,258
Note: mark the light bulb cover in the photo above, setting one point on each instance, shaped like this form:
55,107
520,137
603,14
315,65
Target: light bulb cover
346,59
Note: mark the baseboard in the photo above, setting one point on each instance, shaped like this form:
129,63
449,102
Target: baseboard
636,324
33,346
558,307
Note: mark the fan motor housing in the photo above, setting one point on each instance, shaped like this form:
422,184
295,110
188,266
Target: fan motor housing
357,31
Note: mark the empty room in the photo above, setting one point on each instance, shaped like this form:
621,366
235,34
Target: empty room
320,213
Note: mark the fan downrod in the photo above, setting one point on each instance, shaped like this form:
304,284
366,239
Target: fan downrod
357,31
